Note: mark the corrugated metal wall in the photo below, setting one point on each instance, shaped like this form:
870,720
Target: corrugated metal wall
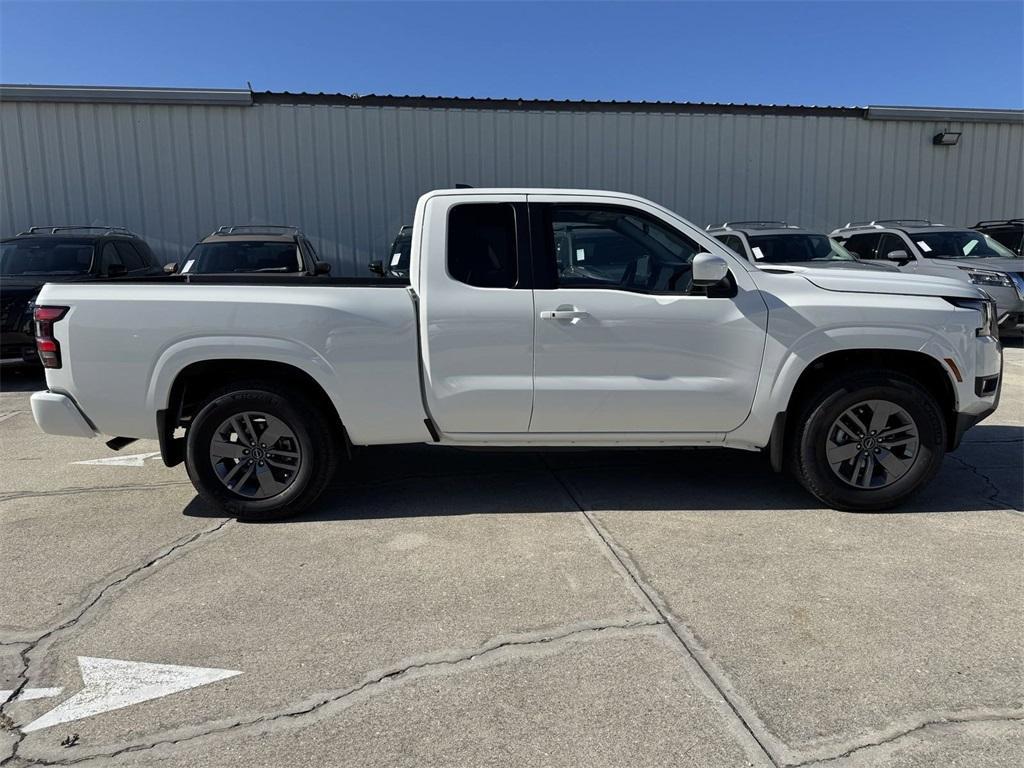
350,175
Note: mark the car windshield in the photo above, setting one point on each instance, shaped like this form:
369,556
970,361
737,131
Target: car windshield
797,247
46,256
401,251
960,244
242,256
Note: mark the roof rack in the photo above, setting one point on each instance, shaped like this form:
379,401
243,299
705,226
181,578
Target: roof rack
761,224
238,229
996,222
883,223
50,230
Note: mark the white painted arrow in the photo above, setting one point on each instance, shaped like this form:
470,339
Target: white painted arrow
112,684
27,694
132,460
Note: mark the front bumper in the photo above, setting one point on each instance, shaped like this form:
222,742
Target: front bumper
57,414
987,386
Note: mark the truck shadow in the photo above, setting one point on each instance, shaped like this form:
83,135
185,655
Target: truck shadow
22,378
425,481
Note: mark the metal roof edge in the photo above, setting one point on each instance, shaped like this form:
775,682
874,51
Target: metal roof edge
547,105
950,114
125,95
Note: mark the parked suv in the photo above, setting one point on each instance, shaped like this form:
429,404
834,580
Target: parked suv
920,247
264,248
42,255
398,261
776,242
1009,232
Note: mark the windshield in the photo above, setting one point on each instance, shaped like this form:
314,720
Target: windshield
401,251
242,256
797,247
960,244
46,256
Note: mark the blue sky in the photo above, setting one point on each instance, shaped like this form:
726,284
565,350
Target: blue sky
966,54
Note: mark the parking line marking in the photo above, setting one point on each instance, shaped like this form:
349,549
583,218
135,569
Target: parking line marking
111,684
133,460
28,694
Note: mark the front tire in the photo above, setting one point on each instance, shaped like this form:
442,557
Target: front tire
868,441
259,452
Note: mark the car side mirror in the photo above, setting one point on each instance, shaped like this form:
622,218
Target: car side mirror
900,255
171,268
322,268
117,270
377,267
709,270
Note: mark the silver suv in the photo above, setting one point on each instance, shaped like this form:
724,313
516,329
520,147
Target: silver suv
920,247
771,243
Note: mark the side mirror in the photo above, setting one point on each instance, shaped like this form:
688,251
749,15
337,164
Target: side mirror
171,268
900,255
322,268
709,270
377,267
117,270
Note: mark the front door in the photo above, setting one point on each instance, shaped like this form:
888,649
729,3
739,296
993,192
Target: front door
623,343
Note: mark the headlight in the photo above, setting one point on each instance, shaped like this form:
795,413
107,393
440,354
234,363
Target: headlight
984,277
988,324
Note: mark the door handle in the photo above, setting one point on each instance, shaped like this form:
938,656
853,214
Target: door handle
563,314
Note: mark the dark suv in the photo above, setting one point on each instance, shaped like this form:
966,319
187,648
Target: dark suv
43,255
1009,232
253,248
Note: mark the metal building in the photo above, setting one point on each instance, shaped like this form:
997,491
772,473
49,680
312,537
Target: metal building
173,164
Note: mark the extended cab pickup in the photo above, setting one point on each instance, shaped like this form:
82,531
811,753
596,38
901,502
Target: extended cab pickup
531,317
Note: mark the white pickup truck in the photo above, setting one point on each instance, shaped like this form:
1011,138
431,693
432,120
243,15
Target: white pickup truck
531,317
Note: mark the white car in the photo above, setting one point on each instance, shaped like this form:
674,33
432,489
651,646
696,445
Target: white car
531,317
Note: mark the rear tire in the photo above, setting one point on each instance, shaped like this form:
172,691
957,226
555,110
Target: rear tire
868,441
260,452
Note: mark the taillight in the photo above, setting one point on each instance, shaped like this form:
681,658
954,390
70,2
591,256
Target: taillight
48,346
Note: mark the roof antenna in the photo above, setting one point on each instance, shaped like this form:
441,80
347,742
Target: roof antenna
463,186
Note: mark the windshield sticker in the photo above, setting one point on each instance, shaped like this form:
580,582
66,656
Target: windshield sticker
581,255
758,253
188,266
395,258
924,246
970,247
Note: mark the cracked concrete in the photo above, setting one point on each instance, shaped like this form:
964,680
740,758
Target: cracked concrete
453,608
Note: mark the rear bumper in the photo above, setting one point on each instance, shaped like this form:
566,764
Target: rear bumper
57,414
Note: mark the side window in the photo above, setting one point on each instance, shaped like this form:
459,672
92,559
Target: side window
611,247
892,243
733,242
862,246
482,244
109,256
131,259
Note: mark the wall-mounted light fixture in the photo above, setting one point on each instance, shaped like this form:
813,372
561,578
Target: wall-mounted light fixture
946,139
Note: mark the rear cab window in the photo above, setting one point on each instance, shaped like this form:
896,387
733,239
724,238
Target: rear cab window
481,248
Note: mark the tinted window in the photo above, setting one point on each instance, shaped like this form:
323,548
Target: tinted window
109,256
482,244
243,256
610,247
129,256
796,248
1012,239
891,243
46,257
733,242
862,246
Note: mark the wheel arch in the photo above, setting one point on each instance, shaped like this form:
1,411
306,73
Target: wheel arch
194,383
933,376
